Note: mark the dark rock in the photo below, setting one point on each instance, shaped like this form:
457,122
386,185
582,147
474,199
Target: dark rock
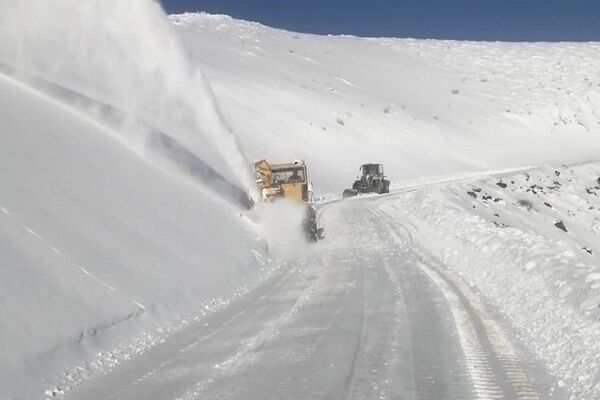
526,204
557,173
472,194
560,225
497,199
588,250
502,184
477,190
548,205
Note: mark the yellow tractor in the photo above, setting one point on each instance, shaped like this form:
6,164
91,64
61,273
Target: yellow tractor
289,181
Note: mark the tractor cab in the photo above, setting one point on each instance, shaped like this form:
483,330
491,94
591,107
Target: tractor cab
371,169
372,180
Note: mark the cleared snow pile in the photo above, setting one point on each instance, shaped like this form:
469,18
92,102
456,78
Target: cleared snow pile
282,224
530,244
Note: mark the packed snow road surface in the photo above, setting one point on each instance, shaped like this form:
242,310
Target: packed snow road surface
363,315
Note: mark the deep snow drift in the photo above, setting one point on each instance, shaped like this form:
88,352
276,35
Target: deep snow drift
93,237
102,242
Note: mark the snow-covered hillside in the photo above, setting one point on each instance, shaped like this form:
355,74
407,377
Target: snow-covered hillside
95,238
108,245
100,241
421,107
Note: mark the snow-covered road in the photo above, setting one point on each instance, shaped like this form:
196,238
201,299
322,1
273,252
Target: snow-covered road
125,149
366,314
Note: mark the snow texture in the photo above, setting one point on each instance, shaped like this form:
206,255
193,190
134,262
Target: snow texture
500,235
420,107
105,250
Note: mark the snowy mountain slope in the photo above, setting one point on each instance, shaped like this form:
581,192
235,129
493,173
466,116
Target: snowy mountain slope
429,109
104,248
92,236
421,107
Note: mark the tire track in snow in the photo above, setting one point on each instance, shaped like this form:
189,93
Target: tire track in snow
350,381
431,380
503,350
483,379
491,357
248,351
139,372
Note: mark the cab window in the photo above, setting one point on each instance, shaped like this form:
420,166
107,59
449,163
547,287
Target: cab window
295,175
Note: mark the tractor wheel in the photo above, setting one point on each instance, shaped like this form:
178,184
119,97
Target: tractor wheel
386,186
311,230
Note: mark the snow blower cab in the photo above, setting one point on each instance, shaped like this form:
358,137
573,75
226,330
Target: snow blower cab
372,180
283,180
289,181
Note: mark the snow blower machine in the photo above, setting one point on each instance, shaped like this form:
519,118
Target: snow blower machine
289,181
372,180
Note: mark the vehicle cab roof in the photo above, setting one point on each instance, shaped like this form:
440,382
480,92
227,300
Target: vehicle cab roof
276,167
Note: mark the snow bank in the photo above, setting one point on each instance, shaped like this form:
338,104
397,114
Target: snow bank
421,107
529,244
98,245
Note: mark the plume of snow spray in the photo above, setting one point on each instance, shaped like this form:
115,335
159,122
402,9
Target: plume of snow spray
126,54
282,223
